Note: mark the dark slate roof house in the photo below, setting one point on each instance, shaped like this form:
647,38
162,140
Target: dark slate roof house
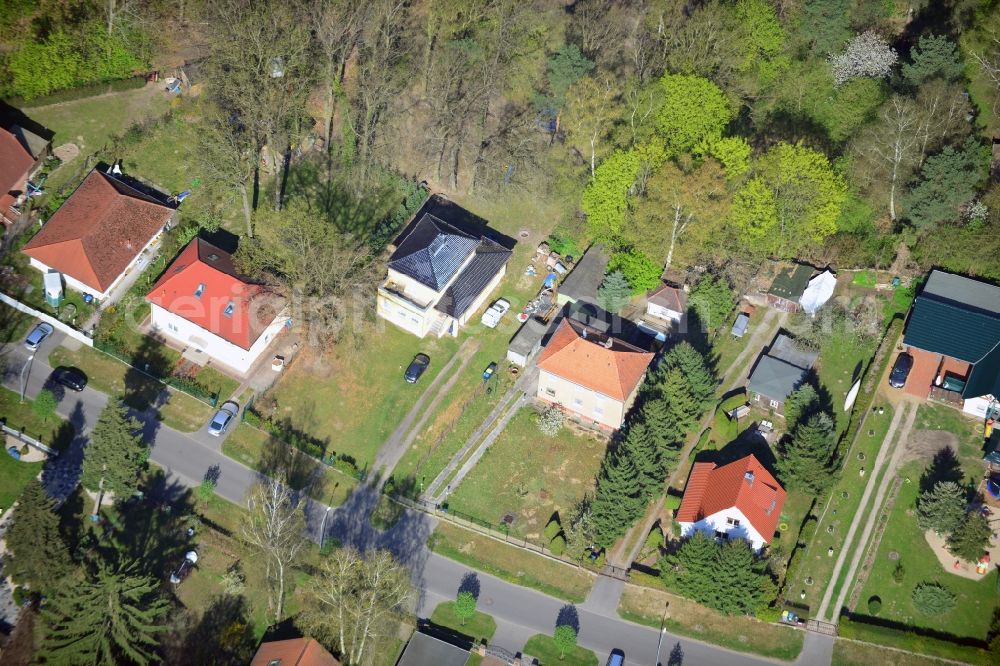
788,286
779,372
953,333
442,268
426,650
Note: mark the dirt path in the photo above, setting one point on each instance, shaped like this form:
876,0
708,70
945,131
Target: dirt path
893,449
402,437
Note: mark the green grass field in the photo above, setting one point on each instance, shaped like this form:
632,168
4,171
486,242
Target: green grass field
530,476
973,611
14,476
52,430
543,648
480,627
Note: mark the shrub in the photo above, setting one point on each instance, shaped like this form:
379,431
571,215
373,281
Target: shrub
654,541
933,599
551,421
899,573
808,530
44,404
672,502
558,545
768,614
874,605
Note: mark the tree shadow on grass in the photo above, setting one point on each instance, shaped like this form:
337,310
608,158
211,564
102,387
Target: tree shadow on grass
223,635
943,467
61,474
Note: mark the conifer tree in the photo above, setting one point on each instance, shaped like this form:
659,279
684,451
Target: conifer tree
115,455
805,463
618,500
701,382
661,426
677,396
36,553
112,616
971,538
614,292
640,447
942,508
801,404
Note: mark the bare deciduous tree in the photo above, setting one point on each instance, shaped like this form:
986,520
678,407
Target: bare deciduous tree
274,527
892,144
357,601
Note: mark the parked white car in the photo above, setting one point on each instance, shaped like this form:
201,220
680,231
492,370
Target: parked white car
495,313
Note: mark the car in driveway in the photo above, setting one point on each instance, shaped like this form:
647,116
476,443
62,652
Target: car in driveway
220,422
901,370
37,336
72,378
416,368
495,313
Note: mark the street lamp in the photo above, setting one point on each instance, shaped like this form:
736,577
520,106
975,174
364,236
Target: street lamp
663,631
322,528
25,371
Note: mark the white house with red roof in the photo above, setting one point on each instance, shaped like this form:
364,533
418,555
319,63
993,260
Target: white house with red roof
103,231
591,374
203,303
737,500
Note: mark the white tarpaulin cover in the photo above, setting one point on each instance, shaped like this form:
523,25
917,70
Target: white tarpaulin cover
818,292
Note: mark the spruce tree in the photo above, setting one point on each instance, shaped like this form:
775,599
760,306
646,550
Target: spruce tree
805,463
971,538
693,569
36,553
801,404
661,425
641,448
614,292
112,616
115,455
942,508
701,381
677,396
618,501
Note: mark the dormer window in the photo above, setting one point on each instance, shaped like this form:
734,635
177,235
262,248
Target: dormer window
200,290
229,309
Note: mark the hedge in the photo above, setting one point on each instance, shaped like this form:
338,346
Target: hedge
304,443
194,389
80,92
855,628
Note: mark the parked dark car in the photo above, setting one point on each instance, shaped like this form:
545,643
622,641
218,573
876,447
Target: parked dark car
37,336
416,368
900,370
71,378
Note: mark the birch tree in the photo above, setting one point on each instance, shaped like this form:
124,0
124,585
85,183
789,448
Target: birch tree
337,27
357,600
273,526
893,143
589,114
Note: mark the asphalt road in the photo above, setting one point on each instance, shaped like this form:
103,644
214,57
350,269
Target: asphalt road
519,612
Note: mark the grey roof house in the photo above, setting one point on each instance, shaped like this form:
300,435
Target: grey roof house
439,275
779,371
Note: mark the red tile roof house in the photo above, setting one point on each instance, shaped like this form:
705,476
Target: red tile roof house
202,302
293,652
99,235
591,374
21,154
737,500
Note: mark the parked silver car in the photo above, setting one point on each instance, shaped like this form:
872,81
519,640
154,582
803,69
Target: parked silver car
223,418
37,336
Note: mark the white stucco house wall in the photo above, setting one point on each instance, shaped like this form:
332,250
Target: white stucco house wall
738,500
202,303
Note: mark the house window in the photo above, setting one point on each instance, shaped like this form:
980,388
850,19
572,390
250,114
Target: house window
578,402
551,392
200,290
774,404
172,327
598,411
229,309
733,522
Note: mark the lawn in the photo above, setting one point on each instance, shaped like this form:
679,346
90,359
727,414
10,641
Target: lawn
248,445
354,398
726,347
852,653
646,605
14,475
971,616
543,649
841,506
840,364
967,431
14,325
510,563
529,475
481,627
52,430
109,375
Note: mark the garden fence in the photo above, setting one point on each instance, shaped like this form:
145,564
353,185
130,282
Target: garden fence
49,319
185,386
27,439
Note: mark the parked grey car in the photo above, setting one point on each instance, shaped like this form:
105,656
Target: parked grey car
223,418
37,336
